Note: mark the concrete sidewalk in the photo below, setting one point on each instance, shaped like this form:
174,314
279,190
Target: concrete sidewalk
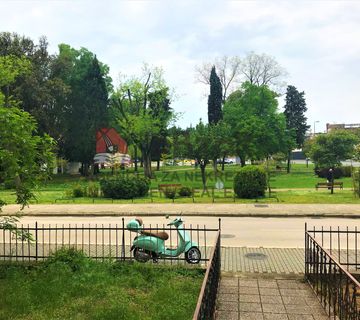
193,209
249,298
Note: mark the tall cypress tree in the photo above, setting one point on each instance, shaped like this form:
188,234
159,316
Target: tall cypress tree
295,108
88,110
215,98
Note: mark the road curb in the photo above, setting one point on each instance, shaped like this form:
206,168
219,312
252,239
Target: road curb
199,214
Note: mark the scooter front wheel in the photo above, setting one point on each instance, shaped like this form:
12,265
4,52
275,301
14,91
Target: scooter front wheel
193,255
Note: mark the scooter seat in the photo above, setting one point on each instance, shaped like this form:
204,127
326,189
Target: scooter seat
161,235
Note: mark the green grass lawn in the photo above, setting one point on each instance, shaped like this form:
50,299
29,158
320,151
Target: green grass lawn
301,177
98,290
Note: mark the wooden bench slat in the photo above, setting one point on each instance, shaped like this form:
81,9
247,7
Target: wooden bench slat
338,184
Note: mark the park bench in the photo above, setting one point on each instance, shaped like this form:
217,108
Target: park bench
327,185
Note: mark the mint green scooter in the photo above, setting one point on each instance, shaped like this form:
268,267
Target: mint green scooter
151,244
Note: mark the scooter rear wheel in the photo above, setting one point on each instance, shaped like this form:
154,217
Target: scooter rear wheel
141,255
193,255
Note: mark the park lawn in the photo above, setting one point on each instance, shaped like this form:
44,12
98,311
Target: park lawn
98,290
300,177
320,196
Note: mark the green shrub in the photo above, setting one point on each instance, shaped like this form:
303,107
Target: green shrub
71,257
170,193
78,191
185,192
92,190
250,182
9,184
125,187
338,172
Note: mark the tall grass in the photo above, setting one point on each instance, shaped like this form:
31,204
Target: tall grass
80,288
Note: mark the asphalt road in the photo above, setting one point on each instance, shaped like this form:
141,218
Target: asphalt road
236,231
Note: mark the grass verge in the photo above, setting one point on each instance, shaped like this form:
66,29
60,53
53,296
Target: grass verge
98,290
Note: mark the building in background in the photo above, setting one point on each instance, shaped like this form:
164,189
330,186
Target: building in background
342,126
111,149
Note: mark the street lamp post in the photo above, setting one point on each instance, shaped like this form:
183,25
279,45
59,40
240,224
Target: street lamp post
314,126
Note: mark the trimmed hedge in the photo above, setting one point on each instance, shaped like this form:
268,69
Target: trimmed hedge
250,182
125,187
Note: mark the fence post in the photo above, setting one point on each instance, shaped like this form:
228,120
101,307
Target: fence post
36,241
123,240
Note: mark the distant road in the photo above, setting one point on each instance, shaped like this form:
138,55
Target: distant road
236,231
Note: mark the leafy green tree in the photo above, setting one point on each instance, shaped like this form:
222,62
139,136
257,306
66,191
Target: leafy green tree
159,105
179,142
141,110
295,108
201,147
215,98
258,130
224,141
39,91
25,157
84,106
328,150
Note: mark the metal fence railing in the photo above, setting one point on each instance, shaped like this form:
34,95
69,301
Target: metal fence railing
342,243
336,288
97,241
205,307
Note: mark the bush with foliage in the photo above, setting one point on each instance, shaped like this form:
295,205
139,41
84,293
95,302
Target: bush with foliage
78,191
125,187
70,257
338,172
170,193
92,190
250,182
185,192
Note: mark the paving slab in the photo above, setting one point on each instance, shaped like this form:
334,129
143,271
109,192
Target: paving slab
263,298
263,260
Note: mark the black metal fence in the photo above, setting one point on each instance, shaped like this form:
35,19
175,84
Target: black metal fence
96,241
342,244
205,307
336,288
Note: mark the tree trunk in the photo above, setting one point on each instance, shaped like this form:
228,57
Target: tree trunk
203,176
158,165
288,162
147,164
215,168
84,169
136,157
223,164
242,161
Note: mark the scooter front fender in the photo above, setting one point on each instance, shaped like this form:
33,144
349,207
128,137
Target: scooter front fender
149,243
191,244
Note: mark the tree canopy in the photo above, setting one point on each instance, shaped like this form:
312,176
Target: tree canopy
328,150
141,111
25,157
257,128
215,98
296,121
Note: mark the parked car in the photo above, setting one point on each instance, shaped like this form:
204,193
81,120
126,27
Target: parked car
226,161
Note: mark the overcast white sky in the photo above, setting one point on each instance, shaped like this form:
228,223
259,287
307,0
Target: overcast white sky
318,42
